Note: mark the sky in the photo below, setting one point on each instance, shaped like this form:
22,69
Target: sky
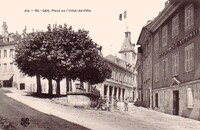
101,17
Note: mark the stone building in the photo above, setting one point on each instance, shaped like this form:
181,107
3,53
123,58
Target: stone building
8,70
122,84
170,41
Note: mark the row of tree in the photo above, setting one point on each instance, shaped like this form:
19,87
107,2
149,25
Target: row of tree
59,53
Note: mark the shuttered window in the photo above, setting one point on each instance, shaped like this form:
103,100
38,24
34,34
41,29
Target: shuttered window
175,64
189,58
189,16
175,26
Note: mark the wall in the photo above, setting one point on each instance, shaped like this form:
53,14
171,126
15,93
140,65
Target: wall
165,102
184,77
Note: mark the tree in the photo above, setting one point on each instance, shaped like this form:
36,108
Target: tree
80,56
62,52
26,57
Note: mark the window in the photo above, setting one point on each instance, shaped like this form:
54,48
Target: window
125,78
5,67
156,100
116,76
164,36
11,52
175,26
11,67
189,58
157,72
165,68
5,53
120,78
175,64
156,42
125,56
112,75
189,16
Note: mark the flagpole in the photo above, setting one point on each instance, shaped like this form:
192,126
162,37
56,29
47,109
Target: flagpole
126,21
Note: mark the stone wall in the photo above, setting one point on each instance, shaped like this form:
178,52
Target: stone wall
81,101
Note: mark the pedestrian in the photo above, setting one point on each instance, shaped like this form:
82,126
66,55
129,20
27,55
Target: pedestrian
108,103
99,103
126,105
115,103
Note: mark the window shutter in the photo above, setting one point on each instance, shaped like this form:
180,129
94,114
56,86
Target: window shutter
190,101
192,56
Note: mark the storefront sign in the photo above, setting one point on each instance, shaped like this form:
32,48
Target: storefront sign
190,36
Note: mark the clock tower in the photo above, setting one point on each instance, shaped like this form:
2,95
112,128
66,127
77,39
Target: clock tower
127,50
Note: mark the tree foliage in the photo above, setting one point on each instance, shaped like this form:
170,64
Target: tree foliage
62,52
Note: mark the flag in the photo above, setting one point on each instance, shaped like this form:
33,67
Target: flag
120,17
125,14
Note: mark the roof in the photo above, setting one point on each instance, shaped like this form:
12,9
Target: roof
117,61
151,27
12,39
4,77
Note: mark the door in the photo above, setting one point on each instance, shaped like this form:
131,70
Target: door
175,102
22,86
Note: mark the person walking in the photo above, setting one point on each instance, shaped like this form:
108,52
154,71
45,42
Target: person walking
126,105
115,103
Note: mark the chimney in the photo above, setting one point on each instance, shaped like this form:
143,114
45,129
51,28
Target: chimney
5,32
166,3
148,22
128,35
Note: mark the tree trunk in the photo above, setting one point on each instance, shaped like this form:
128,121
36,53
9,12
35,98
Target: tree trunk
81,85
39,87
58,88
67,84
50,87
70,86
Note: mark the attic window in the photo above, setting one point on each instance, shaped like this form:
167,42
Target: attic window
125,56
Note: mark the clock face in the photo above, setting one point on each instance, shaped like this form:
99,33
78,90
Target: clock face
125,46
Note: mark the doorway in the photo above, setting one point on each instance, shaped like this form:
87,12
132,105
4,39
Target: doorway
175,102
22,86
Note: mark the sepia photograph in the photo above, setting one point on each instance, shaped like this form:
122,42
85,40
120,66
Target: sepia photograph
100,65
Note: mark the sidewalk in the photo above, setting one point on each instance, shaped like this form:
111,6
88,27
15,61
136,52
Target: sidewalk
137,118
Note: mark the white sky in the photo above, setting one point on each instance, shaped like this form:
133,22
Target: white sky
102,22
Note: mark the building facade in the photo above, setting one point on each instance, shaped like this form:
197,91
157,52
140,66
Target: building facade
174,47
122,84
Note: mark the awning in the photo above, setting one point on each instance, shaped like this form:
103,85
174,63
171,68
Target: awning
5,77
